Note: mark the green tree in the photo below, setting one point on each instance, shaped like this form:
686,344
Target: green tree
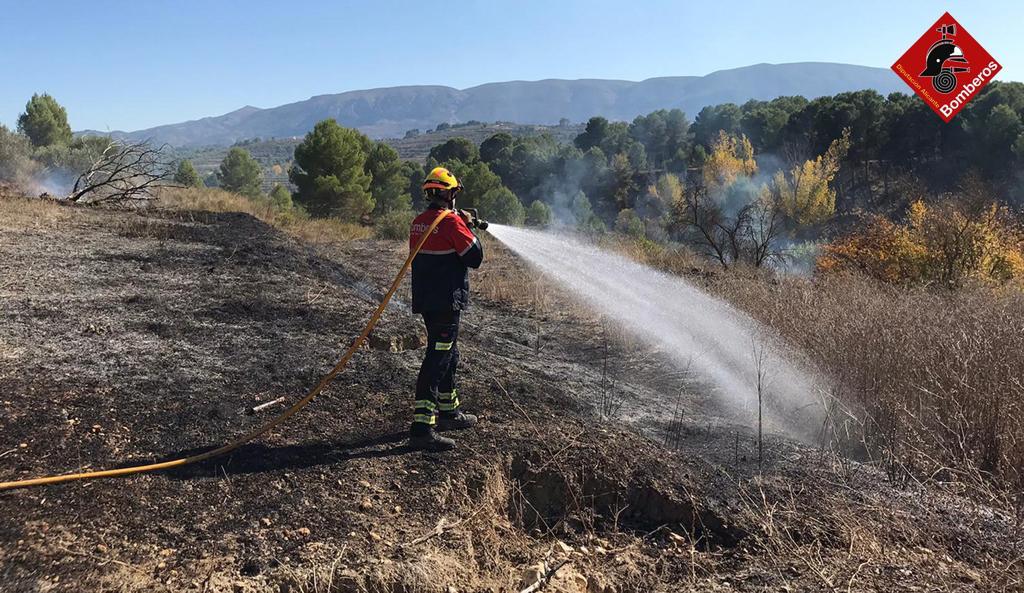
455,149
493,148
623,185
330,172
581,208
45,122
414,176
502,206
477,179
538,214
594,135
186,175
240,173
389,184
1000,132
1018,147
714,118
281,198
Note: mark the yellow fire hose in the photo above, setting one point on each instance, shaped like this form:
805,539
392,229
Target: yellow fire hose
266,427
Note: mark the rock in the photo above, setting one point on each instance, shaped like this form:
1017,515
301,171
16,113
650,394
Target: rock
167,552
531,575
364,483
365,505
375,536
564,547
304,531
162,565
265,521
102,549
23,445
398,509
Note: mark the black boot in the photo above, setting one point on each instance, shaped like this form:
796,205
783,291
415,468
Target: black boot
422,437
455,420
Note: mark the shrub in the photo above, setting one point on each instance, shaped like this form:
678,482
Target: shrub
629,224
16,164
394,225
947,243
281,198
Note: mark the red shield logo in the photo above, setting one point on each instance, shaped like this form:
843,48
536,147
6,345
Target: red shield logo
946,67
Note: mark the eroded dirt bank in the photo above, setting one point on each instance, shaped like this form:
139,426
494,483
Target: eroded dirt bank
133,336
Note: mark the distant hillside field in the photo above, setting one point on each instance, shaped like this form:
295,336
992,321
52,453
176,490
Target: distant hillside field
389,112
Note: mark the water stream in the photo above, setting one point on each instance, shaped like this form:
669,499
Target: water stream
701,333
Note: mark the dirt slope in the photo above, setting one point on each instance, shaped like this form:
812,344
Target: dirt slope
129,337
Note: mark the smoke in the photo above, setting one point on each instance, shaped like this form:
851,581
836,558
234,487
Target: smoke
56,182
704,334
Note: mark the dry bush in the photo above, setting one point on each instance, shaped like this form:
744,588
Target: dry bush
935,376
314,230
947,243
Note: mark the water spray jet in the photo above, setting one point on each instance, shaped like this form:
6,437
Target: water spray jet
720,344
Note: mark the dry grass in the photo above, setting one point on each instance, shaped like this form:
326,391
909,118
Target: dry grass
314,230
935,376
21,213
930,382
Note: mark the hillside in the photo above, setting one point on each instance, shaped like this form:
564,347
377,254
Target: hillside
390,112
136,335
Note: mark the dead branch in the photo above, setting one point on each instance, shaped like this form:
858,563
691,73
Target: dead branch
123,172
545,577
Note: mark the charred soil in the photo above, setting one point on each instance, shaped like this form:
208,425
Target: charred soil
135,336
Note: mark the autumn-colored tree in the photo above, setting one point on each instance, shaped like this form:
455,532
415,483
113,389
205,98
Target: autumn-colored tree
946,243
805,194
731,157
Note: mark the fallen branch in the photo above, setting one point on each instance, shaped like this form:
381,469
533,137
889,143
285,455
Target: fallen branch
123,172
440,528
262,407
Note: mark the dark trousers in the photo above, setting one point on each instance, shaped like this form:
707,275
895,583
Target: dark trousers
435,385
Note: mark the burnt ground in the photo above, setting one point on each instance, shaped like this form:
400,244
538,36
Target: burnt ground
135,336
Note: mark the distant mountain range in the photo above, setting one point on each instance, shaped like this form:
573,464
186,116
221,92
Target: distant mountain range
389,112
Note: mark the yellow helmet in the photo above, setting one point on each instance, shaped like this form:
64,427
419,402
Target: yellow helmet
441,178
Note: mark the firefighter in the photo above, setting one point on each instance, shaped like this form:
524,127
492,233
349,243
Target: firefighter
440,292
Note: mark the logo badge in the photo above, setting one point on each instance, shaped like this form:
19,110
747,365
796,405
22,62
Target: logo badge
946,67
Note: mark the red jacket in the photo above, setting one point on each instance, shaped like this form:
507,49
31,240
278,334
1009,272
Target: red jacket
440,271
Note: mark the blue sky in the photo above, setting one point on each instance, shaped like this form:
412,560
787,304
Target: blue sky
135,64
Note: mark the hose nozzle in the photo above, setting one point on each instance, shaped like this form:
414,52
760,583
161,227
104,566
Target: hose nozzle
474,221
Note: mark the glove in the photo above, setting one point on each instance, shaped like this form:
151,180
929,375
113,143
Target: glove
469,217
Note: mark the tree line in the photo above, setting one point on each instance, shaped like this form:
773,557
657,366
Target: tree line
740,182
